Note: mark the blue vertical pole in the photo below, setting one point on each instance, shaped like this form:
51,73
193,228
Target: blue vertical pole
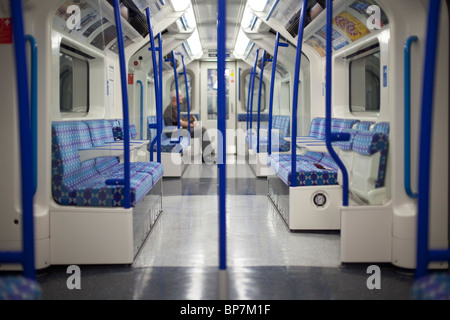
34,104
27,257
126,119
141,85
161,96
272,87
295,104
187,94
330,138
221,124
261,81
174,62
158,98
423,254
248,98
407,166
251,98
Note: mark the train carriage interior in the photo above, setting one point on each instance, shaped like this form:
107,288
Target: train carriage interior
224,150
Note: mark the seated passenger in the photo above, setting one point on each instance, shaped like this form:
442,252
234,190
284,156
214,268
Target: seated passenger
171,119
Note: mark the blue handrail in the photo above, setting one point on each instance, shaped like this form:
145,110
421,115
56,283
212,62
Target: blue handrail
221,125
272,87
295,104
34,104
187,93
142,108
272,9
329,136
126,120
424,254
174,62
248,98
261,81
157,90
407,166
251,98
27,256
159,105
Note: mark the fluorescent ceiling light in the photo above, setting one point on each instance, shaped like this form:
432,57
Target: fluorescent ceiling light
194,44
247,17
257,5
180,5
242,42
190,18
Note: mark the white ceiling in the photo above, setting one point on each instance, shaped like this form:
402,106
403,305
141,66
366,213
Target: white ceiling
206,15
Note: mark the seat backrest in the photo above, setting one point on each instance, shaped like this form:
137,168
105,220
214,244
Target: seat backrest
67,169
282,124
101,132
337,125
317,128
370,162
382,127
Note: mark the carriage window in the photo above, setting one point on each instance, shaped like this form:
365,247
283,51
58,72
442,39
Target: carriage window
74,83
365,84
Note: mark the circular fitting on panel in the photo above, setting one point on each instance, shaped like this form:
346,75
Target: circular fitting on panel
320,199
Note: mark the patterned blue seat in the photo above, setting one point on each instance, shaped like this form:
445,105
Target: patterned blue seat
19,288
360,126
368,174
101,132
118,132
308,174
242,117
318,126
280,129
78,183
382,127
167,146
435,286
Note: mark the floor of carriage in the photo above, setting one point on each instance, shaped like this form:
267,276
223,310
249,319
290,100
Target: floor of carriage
265,261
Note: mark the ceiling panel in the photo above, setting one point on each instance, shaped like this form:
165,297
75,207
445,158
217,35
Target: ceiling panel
206,15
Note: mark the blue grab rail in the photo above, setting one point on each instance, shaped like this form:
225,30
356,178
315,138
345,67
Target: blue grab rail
424,254
126,119
158,95
295,103
174,62
141,108
187,93
272,9
34,104
27,256
221,125
407,166
251,98
261,81
272,87
161,91
330,137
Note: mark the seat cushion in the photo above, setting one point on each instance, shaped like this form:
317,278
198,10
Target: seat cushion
19,288
435,286
308,174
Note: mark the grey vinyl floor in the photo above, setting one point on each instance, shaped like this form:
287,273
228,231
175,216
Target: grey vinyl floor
265,261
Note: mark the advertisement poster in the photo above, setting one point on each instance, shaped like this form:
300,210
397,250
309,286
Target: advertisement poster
317,45
354,28
338,39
